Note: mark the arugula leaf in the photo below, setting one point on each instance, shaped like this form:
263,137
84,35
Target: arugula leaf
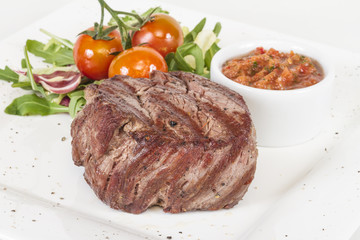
52,53
23,85
190,37
217,28
210,53
169,58
185,50
23,63
31,104
197,51
9,75
60,41
77,102
34,86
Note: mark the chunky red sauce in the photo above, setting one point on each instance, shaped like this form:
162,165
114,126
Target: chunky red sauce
271,69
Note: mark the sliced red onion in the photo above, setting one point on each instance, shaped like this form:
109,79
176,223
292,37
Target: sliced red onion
65,101
59,81
20,72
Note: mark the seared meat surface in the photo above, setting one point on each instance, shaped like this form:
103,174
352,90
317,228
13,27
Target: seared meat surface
176,140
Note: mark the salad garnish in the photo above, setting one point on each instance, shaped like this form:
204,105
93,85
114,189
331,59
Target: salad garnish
58,86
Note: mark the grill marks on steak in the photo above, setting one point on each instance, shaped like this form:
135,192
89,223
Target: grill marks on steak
177,140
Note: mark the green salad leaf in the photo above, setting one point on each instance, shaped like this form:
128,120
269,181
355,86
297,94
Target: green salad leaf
200,45
9,75
191,49
24,85
33,84
32,104
210,54
217,28
190,37
53,52
59,41
77,102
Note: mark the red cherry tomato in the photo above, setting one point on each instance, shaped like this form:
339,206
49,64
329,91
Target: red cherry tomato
93,57
137,62
162,33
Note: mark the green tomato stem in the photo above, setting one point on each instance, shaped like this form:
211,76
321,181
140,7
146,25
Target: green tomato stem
100,30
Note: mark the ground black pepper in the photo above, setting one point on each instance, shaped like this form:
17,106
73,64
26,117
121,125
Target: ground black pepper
172,123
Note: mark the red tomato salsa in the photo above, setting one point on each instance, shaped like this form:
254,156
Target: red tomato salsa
271,69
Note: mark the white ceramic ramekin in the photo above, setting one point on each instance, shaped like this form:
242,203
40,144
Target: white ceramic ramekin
281,117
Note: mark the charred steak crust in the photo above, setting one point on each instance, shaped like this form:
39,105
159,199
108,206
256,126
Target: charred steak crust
178,141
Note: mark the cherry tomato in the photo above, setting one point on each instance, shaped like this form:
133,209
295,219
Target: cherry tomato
162,33
137,62
93,57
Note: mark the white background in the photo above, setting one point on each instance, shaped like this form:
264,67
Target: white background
333,22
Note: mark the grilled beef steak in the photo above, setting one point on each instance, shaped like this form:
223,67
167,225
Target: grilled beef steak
178,141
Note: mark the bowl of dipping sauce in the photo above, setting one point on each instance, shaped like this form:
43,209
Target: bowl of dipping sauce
287,87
